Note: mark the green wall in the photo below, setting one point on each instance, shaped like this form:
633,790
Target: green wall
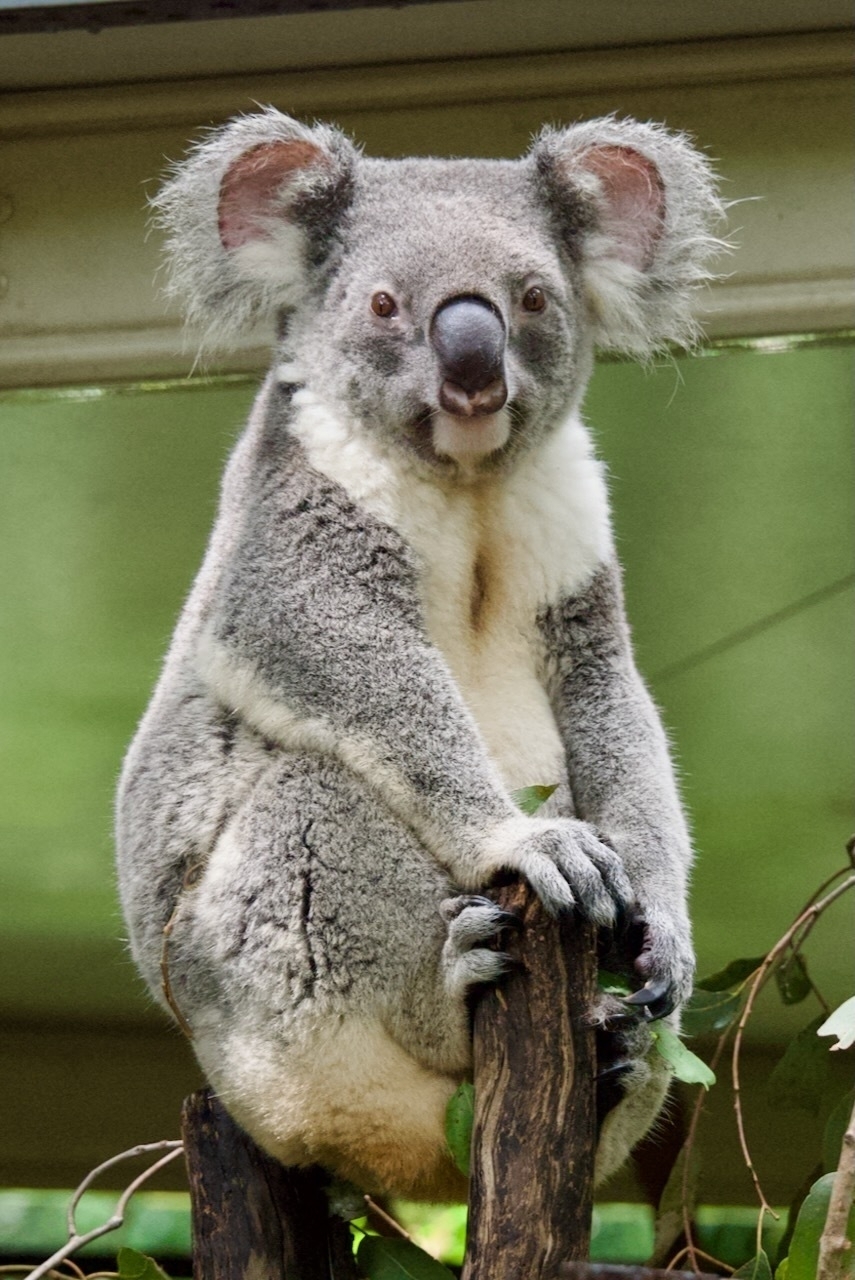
732,486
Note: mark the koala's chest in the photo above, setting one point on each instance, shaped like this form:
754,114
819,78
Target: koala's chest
479,610
490,562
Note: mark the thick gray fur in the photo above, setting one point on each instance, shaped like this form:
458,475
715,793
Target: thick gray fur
309,753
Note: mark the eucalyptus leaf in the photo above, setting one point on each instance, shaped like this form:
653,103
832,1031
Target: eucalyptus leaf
800,1079
669,1212
733,975
759,1268
530,799
614,984
803,1258
380,1258
792,978
687,1066
707,1011
835,1127
841,1023
137,1266
459,1115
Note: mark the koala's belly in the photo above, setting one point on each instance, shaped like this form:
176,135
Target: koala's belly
515,720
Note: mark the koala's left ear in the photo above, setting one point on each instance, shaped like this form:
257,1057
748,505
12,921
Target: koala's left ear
636,207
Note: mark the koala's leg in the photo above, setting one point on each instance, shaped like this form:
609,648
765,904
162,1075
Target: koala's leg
324,972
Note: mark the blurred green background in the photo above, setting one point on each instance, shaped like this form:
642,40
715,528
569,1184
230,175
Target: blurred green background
731,476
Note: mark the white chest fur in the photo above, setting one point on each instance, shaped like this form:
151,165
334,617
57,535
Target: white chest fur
492,555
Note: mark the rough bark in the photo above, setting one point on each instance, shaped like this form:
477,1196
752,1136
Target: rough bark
534,1134
252,1218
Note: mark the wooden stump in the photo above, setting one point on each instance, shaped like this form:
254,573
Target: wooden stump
252,1218
533,1145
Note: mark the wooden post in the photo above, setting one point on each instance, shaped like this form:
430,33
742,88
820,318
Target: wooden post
252,1218
534,1135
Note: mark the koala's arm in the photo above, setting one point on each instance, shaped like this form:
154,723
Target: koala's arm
315,638
621,774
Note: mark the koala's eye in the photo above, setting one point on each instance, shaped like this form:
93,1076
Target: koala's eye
384,305
534,299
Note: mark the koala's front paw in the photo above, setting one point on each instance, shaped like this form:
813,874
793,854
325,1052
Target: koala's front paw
568,866
659,948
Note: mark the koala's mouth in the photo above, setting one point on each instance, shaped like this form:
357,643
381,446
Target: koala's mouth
469,440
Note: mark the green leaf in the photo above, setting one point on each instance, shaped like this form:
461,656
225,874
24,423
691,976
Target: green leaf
792,979
841,1023
709,1011
383,1259
459,1115
803,1258
758,1268
614,984
799,1080
687,1066
835,1127
733,975
529,799
137,1266
669,1212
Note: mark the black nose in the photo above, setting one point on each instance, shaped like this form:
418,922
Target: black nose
468,337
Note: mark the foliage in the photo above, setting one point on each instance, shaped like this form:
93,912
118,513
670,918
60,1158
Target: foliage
723,1003
136,1266
802,1260
458,1125
380,1258
529,799
685,1065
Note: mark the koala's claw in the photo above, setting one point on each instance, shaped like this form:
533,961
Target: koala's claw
656,999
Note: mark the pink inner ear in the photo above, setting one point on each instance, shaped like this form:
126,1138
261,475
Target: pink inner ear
635,201
249,189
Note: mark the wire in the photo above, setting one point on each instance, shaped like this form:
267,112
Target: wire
728,642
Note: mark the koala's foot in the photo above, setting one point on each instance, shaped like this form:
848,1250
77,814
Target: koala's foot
631,1085
471,954
659,950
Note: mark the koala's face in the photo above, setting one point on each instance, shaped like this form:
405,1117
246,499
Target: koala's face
448,318
450,305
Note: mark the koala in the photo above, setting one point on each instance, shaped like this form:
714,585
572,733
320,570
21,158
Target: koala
410,607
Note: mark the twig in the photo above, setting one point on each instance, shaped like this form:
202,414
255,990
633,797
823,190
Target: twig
691,1250
835,1246
77,1239
18,1268
801,926
708,1257
374,1209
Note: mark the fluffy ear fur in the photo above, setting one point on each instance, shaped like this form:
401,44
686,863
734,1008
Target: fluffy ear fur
638,206
246,211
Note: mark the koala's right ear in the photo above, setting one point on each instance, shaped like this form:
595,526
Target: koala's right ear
247,212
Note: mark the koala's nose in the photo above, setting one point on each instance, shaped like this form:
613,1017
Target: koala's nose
468,337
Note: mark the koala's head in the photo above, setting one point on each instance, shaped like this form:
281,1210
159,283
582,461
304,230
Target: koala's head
451,305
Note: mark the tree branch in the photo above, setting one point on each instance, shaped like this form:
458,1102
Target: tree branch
835,1245
534,1131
